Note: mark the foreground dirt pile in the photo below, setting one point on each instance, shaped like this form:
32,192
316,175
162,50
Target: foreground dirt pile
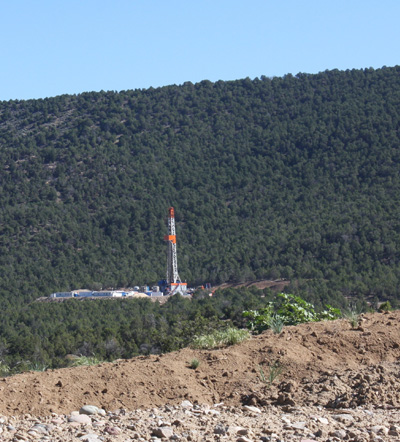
319,369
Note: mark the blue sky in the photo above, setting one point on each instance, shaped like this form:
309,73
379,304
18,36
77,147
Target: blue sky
54,47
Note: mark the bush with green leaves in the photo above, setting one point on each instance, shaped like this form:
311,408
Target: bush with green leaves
385,307
329,314
259,320
353,316
4,369
194,364
292,310
276,323
220,338
37,366
295,310
275,369
85,361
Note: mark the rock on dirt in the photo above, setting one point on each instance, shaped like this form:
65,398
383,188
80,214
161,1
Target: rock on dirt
334,383
199,423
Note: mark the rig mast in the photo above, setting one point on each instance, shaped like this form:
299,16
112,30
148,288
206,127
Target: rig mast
173,281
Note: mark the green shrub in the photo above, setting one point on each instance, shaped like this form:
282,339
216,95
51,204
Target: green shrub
353,316
194,363
4,369
204,342
85,360
259,320
292,310
385,307
295,310
276,323
232,336
37,366
329,314
275,369
220,338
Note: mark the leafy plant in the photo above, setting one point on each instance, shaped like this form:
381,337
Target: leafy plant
276,323
204,342
259,320
37,366
194,363
233,336
4,369
275,369
353,316
385,307
292,310
220,338
295,310
85,360
329,314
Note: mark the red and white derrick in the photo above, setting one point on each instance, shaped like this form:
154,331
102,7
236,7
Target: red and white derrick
173,279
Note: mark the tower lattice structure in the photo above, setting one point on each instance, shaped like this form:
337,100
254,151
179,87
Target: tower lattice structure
172,260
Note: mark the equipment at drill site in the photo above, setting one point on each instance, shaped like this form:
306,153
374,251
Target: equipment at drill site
172,284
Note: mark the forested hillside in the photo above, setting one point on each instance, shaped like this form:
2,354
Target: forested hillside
294,177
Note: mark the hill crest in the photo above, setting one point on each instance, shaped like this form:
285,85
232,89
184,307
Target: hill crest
328,364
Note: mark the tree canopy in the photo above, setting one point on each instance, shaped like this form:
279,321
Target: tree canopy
294,177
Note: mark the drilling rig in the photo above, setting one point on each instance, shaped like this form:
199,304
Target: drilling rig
173,283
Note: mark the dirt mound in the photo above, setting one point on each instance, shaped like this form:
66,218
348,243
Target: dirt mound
328,364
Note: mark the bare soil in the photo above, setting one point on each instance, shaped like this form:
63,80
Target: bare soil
276,285
328,364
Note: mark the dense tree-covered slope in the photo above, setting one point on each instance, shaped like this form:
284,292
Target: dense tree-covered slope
294,177
42,334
